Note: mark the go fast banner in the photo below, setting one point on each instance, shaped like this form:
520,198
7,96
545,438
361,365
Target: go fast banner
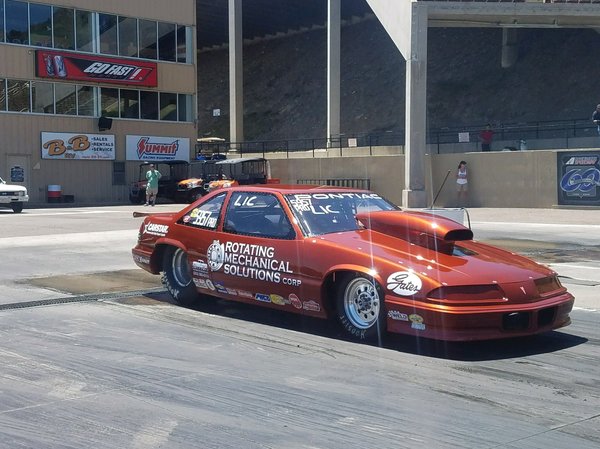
67,66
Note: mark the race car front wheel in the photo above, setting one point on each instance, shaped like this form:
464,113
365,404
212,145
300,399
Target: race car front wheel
360,307
177,278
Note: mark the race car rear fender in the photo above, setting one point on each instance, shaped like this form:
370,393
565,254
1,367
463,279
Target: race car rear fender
156,261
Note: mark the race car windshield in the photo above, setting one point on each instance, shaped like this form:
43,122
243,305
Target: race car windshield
324,213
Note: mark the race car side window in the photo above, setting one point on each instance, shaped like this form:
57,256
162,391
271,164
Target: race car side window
206,215
257,214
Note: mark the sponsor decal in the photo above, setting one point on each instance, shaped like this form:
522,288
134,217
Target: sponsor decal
80,146
416,322
398,316
295,301
579,178
245,294
156,229
220,287
200,283
262,298
404,283
156,148
249,261
312,306
303,202
210,285
279,300
141,259
200,268
83,67
231,291
216,255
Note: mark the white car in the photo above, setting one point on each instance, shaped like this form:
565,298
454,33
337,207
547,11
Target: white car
12,196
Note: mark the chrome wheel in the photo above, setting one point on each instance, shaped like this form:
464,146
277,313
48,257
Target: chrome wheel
179,268
362,304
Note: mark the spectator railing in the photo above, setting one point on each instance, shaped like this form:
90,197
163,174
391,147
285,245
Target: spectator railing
355,183
558,129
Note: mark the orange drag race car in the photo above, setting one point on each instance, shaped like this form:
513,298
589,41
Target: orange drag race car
350,254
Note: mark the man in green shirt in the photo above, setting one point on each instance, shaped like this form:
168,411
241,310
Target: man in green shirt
152,176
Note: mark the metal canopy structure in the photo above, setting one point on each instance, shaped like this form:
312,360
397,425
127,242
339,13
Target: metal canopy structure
266,17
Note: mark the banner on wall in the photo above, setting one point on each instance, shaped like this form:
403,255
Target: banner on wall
579,178
157,148
67,66
78,146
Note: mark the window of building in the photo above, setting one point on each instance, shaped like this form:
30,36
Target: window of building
168,106
181,44
184,105
66,99
167,41
128,39
130,103
40,25
42,97
17,22
109,102
148,39
2,94
108,34
149,105
1,21
18,96
64,28
86,100
84,31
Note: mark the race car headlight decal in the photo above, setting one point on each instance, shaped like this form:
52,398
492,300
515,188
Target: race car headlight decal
467,294
548,285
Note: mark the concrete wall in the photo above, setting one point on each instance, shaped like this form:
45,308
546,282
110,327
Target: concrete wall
385,172
496,179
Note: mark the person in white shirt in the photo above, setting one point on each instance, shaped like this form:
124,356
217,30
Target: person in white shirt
462,184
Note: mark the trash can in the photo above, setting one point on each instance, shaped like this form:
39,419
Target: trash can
54,193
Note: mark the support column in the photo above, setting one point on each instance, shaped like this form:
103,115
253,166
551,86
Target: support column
236,73
510,47
333,68
414,194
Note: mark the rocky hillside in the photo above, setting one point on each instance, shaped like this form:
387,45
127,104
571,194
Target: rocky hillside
285,81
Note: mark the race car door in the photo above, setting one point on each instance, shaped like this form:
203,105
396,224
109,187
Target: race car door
257,257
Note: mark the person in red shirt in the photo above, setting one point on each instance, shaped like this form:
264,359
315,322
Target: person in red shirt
486,136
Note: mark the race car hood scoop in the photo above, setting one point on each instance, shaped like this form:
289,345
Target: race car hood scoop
436,233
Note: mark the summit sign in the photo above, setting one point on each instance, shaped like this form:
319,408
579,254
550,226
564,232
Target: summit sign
157,148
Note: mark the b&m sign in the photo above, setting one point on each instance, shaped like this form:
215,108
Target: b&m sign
78,146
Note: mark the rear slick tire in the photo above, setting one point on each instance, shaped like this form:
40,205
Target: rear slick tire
360,308
177,277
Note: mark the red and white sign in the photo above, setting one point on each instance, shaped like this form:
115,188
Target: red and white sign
78,146
154,148
69,66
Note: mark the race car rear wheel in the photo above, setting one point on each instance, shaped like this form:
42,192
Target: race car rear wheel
177,277
360,307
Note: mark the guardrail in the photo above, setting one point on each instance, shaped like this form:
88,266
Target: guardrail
355,183
558,129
